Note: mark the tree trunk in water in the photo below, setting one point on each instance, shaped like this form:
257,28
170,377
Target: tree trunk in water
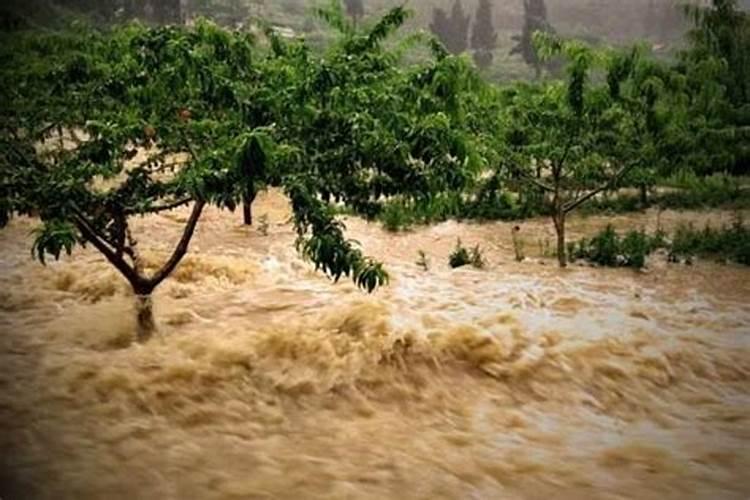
146,326
560,230
644,195
247,209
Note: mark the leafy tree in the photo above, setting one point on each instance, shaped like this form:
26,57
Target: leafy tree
583,132
159,115
100,127
452,31
161,92
716,66
484,36
535,20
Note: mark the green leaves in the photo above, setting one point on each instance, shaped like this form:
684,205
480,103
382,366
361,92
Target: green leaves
53,237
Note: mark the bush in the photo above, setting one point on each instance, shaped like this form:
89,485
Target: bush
730,243
604,247
697,192
635,247
395,216
608,249
461,256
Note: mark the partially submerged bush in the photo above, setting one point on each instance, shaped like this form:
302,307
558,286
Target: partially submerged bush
607,248
462,256
728,242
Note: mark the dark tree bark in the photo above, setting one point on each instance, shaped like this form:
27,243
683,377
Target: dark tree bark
247,208
644,194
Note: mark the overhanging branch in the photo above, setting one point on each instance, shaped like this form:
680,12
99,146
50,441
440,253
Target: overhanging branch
572,205
93,236
181,248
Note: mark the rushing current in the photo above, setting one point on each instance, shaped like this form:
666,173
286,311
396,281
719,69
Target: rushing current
519,381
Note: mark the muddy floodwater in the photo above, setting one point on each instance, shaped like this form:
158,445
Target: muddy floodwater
519,381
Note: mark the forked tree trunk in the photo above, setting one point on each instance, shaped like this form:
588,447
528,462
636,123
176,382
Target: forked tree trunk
145,323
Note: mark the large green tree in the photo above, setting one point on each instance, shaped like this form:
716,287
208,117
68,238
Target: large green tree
100,127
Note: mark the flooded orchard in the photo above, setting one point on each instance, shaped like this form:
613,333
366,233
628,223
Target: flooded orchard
266,381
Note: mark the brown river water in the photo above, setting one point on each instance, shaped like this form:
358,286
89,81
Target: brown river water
520,381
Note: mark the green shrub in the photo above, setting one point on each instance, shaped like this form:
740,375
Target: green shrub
476,258
635,247
461,256
730,243
608,249
604,247
395,216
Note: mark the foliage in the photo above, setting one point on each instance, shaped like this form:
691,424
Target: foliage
716,67
728,242
607,248
461,256
172,116
578,138
535,21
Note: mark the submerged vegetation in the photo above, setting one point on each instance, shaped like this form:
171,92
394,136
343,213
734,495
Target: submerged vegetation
100,125
728,243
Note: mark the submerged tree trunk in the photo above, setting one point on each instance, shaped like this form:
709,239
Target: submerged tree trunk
644,195
559,219
247,208
145,323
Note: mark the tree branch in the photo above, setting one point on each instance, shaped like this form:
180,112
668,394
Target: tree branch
92,235
535,181
161,208
570,206
182,246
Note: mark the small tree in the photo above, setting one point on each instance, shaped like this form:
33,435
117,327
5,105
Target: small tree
484,36
582,132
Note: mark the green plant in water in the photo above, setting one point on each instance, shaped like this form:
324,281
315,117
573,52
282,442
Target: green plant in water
395,216
423,261
263,224
477,258
460,256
